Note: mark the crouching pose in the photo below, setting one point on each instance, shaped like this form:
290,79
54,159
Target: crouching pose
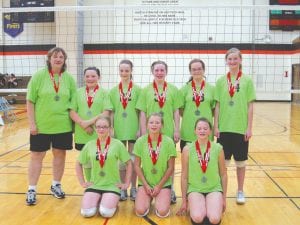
154,165
203,178
103,154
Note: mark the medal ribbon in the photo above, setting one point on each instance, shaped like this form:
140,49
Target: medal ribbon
232,88
154,153
161,98
203,161
90,98
56,86
102,156
198,96
125,97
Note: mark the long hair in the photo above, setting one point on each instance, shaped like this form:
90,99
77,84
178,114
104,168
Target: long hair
234,50
128,62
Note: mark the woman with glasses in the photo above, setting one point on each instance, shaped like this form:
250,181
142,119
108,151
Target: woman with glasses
102,191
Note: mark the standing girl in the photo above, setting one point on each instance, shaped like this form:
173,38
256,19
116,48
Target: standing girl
125,116
103,154
233,116
203,177
198,96
163,98
154,164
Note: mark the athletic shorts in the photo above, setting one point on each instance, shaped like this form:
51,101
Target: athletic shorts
101,191
43,142
79,147
183,144
234,145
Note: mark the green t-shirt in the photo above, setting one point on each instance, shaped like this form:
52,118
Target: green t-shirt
190,110
116,152
51,116
234,118
195,173
126,122
148,103
79,104
167,151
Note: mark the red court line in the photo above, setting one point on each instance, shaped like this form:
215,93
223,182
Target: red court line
21,112
106,221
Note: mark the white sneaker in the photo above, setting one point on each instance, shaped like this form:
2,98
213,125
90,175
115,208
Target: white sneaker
240,198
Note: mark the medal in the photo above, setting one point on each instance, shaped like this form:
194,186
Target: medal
55,86
125,97
204,179
154,170
161,113
102,173
198,97
236,87
89,113
231,103
161,98
154,153
102,156
203,160
56,98
124,114
90,97
197,112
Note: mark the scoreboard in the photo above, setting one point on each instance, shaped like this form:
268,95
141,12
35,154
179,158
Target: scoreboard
32,17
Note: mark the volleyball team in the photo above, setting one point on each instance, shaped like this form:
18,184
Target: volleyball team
127,136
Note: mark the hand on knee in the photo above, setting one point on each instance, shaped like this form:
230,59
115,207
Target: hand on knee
88,212
106,212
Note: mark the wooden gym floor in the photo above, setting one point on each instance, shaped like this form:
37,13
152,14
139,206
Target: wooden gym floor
272,183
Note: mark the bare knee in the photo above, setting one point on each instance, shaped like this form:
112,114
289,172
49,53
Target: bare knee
162,213
88,212
141,212
197,218
106,212
214,219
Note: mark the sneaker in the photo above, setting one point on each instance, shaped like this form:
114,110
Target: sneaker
57,192
123,195
132,194
31,197
240,198
173,197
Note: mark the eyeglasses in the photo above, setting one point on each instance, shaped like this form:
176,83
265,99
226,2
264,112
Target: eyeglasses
101,127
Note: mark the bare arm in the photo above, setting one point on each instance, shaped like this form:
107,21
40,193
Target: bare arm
223,175
139,173
80,176
31,117
184,180
126,184
216,120
248,134
169,172
143,121
177,125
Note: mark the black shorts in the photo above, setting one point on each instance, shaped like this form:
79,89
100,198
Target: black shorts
101,191
234,144
79,147
183,144
43,142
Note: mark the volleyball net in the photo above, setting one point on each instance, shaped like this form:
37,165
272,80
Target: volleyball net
103,35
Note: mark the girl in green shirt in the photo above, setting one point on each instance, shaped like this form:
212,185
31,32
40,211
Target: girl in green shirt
203,177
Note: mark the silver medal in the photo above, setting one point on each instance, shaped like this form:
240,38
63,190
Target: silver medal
89,113
231,103
204,179
56,98
154,170
161,113
197,112
102,173
124,114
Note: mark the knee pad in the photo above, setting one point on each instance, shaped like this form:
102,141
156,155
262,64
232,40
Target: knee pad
106,212
142,215
240,164
164,216
122,166
88,212
227,162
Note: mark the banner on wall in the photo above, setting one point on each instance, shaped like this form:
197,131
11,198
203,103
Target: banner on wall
12,29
